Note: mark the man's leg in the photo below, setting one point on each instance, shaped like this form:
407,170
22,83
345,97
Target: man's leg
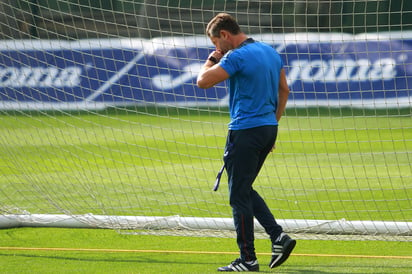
246,151
265,217
260,210
241,159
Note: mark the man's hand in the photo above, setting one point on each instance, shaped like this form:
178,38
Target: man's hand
210,75
215,56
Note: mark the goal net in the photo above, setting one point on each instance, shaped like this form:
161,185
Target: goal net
102,124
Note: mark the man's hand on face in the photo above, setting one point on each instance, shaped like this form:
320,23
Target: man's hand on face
216,54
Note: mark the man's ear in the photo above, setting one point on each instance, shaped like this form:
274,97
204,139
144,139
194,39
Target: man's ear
224,34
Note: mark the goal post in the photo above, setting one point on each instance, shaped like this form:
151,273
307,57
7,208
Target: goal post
102,124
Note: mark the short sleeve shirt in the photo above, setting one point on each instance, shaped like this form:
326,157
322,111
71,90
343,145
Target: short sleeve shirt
254,70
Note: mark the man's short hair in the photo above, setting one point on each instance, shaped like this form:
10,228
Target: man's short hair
222,21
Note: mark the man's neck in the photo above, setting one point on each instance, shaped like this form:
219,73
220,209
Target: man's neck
239,39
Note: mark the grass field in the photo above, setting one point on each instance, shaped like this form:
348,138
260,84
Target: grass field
160,162
49,250
164,163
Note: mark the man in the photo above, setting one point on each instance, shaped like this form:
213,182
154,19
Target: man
258,93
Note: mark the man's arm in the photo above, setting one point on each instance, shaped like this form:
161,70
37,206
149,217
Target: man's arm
283,95
211,73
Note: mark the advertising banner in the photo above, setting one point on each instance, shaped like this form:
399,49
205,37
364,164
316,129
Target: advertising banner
364,73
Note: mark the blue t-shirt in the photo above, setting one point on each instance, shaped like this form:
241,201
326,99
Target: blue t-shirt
254,70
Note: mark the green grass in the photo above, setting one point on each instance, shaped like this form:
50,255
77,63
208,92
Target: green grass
331,165
327,165
106,251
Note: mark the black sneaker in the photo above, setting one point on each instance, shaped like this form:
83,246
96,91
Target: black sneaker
281,250
238,266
